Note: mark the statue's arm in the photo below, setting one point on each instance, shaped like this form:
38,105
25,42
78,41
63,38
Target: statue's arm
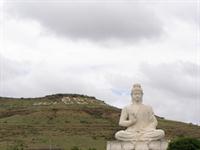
153,119
124,120
155,122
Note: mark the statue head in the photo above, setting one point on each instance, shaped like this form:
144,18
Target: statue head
137,93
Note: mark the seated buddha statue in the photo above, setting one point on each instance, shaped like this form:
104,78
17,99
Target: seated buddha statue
139,120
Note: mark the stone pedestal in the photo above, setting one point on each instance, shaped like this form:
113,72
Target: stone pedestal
139,145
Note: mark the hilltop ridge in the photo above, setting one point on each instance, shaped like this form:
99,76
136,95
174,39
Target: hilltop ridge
51,100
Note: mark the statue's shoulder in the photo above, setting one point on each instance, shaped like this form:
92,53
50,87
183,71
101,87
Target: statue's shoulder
148,107
127,107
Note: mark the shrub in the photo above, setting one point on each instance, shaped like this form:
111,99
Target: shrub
67,121
94,137
84,121
184,144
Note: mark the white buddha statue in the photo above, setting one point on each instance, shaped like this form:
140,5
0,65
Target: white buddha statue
139,120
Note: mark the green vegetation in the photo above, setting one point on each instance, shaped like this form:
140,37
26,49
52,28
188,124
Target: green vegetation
18,145
184,143
47,122
77,148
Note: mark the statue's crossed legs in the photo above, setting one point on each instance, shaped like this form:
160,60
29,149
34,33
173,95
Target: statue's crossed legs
152,135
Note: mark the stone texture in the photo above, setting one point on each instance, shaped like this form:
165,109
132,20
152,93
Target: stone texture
140,145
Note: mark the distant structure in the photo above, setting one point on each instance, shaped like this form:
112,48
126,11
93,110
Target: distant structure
68,99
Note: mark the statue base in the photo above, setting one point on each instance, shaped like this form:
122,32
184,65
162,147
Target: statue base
139,145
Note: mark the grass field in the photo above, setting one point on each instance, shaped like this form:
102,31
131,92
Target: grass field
86,122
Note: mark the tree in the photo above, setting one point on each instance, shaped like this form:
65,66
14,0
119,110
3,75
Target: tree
184,143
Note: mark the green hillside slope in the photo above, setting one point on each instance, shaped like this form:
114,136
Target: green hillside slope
67,120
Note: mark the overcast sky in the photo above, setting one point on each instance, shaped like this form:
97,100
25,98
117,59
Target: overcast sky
101,48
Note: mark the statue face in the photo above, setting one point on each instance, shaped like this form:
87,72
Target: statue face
137,96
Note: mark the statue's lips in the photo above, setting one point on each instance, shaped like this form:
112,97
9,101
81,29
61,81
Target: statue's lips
137,99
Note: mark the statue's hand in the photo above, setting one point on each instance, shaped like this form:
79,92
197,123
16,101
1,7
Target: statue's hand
132,118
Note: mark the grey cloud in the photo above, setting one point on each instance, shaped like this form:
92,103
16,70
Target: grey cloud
182,79
187,11
93,21
184,10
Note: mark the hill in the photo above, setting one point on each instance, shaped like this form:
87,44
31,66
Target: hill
67,120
